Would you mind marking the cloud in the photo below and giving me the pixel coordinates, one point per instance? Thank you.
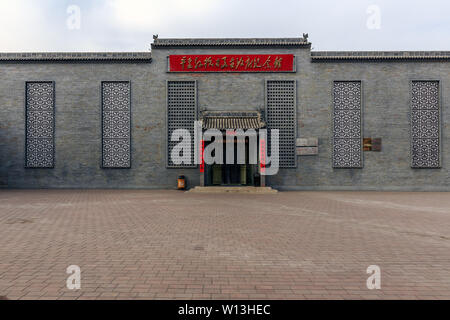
(128, 25)
(20, 21)
(144, 14)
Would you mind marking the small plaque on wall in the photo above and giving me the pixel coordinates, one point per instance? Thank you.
(307, 151)
(307, 146)
(376, 144)
(367, 144)
(307, 142)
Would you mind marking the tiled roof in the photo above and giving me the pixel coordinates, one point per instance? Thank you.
(232, 120)
(380, 55)
(76, 56)
(206, 42)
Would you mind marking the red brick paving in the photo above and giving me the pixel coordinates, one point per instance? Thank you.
(139, 244)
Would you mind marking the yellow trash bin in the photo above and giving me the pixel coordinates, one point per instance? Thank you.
(181, 183)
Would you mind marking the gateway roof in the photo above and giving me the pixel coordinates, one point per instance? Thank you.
(223, 120)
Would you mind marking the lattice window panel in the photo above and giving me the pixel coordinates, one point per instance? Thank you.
(281, 115)
(40, 124)
(425, 124)
(116, 124)
(347, 124)
(181, 114)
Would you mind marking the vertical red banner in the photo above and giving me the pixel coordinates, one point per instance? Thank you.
(202, 150)
(262, 155)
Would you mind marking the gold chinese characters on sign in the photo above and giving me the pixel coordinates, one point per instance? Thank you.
(231, 63)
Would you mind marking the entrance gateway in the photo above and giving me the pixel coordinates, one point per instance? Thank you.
(241, 164)
(236, 173)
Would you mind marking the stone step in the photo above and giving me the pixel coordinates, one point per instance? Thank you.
(222, 189)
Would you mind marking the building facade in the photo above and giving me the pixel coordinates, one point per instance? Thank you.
(347, 120)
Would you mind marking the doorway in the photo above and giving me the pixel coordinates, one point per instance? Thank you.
(232, 174)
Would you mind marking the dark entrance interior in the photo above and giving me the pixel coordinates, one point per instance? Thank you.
(232, 174)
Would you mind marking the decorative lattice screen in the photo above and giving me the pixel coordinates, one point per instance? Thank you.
(347, 125)
(116, 124)
(281, 115)
(425, 124)
(181, 114)
(40, 120)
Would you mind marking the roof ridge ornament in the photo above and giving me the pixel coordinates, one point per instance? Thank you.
(305, 37)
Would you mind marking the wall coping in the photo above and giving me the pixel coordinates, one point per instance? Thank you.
(316, 56)
(76, 56)
(215, 42)
(379, 55)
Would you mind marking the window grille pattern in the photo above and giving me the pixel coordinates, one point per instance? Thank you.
(181, 114)
(281, 115)
(347, 125)
(116, 124)
(425, 124)
(40, 119)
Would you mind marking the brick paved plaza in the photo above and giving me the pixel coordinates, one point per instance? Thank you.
(170, 244)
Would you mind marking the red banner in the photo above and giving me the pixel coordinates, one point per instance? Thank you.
(202, 152)
(231, 63)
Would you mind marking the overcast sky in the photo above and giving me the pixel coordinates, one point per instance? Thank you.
(128, 25)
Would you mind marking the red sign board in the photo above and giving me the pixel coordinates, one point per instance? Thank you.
(231, 63)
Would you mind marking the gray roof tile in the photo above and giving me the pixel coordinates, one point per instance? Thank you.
(379, 55)
(230, 42)
(73, 56)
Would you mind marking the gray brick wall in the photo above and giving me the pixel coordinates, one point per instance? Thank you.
(386, 112)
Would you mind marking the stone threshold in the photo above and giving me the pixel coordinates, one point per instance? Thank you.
(237, 189)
